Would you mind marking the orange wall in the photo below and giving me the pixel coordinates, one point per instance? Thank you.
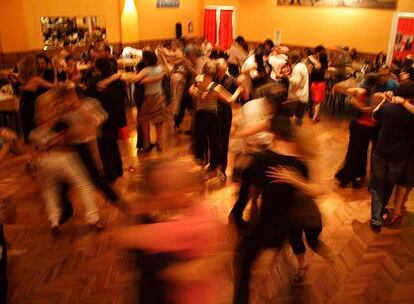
(366, 29)
(157, 23)
(20, 28)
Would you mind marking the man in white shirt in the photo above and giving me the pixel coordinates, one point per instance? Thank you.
(277, 60)
(298, 85)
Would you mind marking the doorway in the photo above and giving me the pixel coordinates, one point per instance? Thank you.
(219, 25)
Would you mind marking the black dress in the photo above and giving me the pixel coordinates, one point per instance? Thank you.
(273, 224)
(112, 100)
(27, 111)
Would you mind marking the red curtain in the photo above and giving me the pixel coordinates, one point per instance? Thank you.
(210, 26)
(226, 29)
(404, 44)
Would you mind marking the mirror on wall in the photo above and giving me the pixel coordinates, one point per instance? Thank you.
(76, 31)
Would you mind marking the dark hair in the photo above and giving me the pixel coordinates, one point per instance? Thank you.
(104, 65)
(269, 42)
(319, 48)
(406, 89)
(370, 81)
(258, 57)
(353, 54)
(282, 127)
(294, 56)
(410, 71)
(323, 59)
(377, 59)
(43, 56)
(245, 46)
(308, 52)
(240, 40)
(149, 57)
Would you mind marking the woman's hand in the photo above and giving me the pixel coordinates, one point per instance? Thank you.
(284, 175)
(7, 135)
(101, 85)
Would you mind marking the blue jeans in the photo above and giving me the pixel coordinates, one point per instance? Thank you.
(384, 176)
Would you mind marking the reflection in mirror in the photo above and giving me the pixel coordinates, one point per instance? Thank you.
(72, 31)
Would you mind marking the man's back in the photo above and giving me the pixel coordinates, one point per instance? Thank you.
(396, 137)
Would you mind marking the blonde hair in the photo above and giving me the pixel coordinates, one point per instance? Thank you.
(210, 68)
(28, 68)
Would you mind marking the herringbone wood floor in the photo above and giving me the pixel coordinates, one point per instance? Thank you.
(82, 267)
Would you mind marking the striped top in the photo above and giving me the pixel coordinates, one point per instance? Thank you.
(208, 100)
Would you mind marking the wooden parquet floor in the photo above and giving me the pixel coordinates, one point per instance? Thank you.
(82, 267)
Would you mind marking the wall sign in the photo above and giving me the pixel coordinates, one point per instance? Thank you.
(379, 4)
(168, 3)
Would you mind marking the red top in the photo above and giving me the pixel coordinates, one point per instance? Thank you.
(365, 119)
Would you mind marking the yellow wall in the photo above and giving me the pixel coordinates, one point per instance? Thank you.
(20, 28)
(366, 29)
(159, 23)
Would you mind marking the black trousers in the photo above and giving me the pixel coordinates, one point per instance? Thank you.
(140, 136)
(86, 156)
(186, 104)
(110, 156)
(206, 132)
(300, 112)
(242, 200)
(295, 236)
(3, 267)
(225, 117)
(355, 164)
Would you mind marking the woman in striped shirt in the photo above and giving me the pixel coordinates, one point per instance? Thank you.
(206, 94)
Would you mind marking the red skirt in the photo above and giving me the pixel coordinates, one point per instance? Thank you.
(318, 90)
(123, 133)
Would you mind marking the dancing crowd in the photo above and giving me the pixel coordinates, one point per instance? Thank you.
(72, 123)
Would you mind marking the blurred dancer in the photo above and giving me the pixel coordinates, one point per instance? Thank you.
(237, 56)
(393, 151)
(298, 85)
(58, 162)
(224, 112)
(188, 238)
(112, 98)
(362, 131)
(404, 186)
(207, 94)
(153, 109)
(280, 190)
(32, 86)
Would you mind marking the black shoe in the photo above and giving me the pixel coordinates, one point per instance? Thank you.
(358, 183)
(343, 184)
(375, 226)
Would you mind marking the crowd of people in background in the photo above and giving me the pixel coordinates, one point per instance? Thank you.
(65, 110)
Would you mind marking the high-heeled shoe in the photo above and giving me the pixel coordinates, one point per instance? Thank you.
(395, 218)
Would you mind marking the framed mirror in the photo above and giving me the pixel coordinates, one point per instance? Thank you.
(77, 31)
